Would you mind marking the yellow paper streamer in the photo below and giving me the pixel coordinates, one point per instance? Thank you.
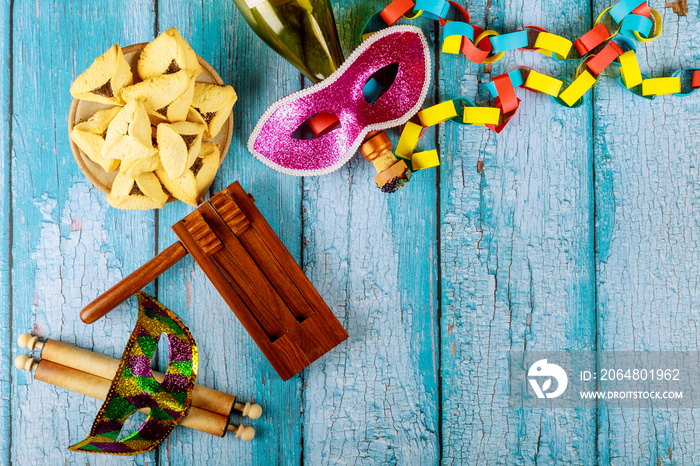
(548, 43)
(417, 15)
(408, 140)
(661, 86)
(578, 88)
(543, 83)
(426, 159)
(452, 45)
(629, 69)
(436, 114)
(481, 116)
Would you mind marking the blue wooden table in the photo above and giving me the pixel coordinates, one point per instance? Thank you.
(571, 230)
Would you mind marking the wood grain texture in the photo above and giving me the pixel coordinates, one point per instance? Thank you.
(230, 360)
(5, 207)
(572, 230)
(516, 241)
(68, 244)
(373, 400)
(647, 216)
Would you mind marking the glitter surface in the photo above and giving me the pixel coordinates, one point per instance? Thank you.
(134, 386)
(341, 95)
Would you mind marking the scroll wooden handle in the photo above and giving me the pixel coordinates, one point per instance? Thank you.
(133, 283)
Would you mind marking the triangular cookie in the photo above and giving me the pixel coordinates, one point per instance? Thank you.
(142, 192)
(89, 136)
(129, 140)
(178, 145)
(212, 106)
(192, 186)
(168, 53)
(159, 92)
(176, 110)
(105, 78)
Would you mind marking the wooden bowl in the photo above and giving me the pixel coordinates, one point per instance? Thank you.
(81, 110)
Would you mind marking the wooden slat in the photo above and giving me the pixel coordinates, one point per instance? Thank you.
(647, 212)
(69, 245)
(318, 335)
(229, 359)
(288, 359)
(516, 245)
(205, 237)
(230, 213)
(325, 332)
(256, 246)
(373, 400)
(5, 207)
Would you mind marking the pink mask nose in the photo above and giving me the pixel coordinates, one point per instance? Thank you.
(341, 95)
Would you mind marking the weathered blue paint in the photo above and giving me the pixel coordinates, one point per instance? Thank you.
(374, 398)
(516, 237)
(5, 138)
(230, 359)
(573, 229)
(68, 244)
(646, 163)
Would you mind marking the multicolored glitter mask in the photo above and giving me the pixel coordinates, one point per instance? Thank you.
(341, 95)
(134, 387)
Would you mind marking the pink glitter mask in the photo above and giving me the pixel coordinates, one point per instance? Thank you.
(341, 95)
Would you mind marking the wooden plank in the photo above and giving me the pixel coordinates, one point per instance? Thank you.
(516, 251)
(372, 257)
(5, 279)
(229, 359)
(647, 211)
(69, 245)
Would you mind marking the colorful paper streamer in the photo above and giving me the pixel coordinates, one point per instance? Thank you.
(597, 50)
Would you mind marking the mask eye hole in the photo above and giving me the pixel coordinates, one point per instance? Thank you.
(323, 123)
(161, 357)
(131, 426)
(316, 126)
(380, 82)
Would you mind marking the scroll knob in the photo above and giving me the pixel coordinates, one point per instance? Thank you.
(253, 411)
(30, 342)
(245, 433)
(24, 362)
